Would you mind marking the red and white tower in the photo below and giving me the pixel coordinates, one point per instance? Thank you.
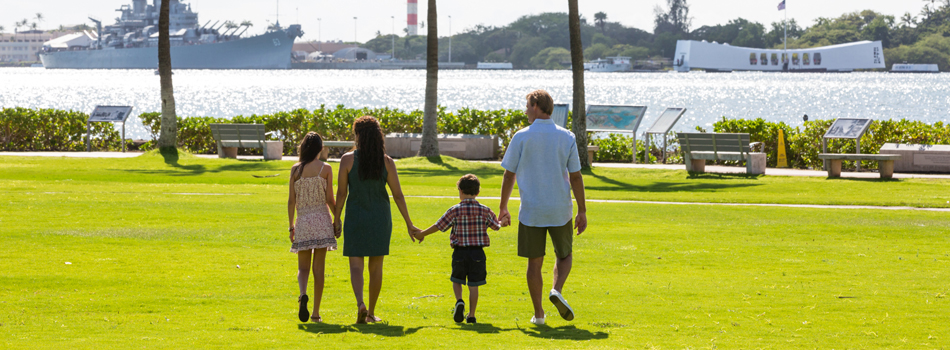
(412, 18)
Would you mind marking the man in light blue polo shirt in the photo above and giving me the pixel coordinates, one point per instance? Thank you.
(543, 159)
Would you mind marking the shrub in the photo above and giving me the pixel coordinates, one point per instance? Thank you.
(23, 129)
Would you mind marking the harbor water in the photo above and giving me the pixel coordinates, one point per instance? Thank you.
(707, 96)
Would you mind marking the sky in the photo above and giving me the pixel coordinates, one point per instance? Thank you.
(336, 17)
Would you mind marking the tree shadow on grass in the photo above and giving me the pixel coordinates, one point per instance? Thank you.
(171, 156)
(614, 185)
(563, 332)
(484, 172)
(722, 176)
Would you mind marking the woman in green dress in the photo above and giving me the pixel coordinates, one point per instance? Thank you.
(363, 176)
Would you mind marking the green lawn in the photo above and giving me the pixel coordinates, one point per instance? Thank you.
(193, 254)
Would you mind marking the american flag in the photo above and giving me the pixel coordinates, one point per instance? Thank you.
(781, 5)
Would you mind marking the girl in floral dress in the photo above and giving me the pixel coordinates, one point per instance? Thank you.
(311, 197)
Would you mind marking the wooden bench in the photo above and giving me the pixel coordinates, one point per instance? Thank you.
(885, 162)
(699, 147)
(327, 144)
(231, 136)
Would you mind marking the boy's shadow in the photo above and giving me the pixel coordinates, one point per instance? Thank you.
(481, 328)
(381, 329)
(563, 332)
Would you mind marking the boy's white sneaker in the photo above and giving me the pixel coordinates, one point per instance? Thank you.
(562, 307)
(537, 321)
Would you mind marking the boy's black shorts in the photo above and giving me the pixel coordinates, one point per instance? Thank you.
(468, 264)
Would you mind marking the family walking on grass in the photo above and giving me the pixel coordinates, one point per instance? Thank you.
(541, 158)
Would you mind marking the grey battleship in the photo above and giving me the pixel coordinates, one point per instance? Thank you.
(132, 43)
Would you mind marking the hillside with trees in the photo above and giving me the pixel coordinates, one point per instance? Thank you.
(542, 41)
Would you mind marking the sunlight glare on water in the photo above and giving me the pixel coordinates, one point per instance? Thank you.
(707, 96)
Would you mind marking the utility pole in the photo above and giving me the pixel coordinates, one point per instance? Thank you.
(450, 39)
(319, 42)
(354, 30)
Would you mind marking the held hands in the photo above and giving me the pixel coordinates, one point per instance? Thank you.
(414, 233)
(337, 228)
(504, 217)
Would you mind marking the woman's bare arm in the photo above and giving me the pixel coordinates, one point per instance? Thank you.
(392, 179)
(292, 201)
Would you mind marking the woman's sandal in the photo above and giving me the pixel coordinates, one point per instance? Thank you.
(373, 319)
(361, 314)
(316, 319)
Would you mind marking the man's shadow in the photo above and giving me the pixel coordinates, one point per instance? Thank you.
(563, 332)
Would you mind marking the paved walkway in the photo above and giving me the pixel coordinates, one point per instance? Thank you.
(807, 206)
(709, 168)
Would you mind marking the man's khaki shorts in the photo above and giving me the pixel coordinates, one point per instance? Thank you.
(532, 240)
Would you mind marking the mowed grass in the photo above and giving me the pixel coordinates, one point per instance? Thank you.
(193, 253)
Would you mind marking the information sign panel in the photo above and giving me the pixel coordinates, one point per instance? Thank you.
(848, 128)
(666, 121)
(559, 115)
(663, 124)
(109, 114)
(606, 118)
(614, 118)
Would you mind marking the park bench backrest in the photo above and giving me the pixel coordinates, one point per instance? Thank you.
(239, 135)
(714, 142)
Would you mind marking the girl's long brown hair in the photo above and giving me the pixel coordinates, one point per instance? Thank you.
(309, 149)
(372, 147)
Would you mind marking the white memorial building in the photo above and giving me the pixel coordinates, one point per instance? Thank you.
(691, 54)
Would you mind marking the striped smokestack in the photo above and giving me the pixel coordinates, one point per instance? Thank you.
(412, 23)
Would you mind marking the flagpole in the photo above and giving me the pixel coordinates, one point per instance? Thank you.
(785, 9)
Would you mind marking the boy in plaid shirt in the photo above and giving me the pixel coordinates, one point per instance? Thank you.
(469, 221)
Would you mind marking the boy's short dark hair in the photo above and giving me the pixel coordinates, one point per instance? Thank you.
(469, 184)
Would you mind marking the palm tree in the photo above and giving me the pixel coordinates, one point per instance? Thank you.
(579, 125)
(1, 31)
(168, 138)
(39, 18)
(600, 19)
(430, 118)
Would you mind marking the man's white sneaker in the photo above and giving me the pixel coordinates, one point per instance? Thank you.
(562, 308)
(537, 321)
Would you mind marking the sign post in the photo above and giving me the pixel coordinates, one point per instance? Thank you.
(662, 126)
(846, 128)
(111, 114)
(603, 118)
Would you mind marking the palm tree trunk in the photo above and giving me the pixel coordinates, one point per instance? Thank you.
(430, 119)
(169, 132)
(579, 117)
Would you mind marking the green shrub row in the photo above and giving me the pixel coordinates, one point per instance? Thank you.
(335, 124)
(803, 143)
(24, 129)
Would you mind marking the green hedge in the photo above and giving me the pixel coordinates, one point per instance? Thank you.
(336, 124)
(804, 143)
(23, 129)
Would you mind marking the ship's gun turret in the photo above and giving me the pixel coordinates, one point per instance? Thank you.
(294, 31)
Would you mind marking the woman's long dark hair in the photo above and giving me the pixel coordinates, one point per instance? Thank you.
(372, 147)
(309, 149)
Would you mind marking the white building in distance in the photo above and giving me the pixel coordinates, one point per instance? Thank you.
(22, 46)
(691, 54)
